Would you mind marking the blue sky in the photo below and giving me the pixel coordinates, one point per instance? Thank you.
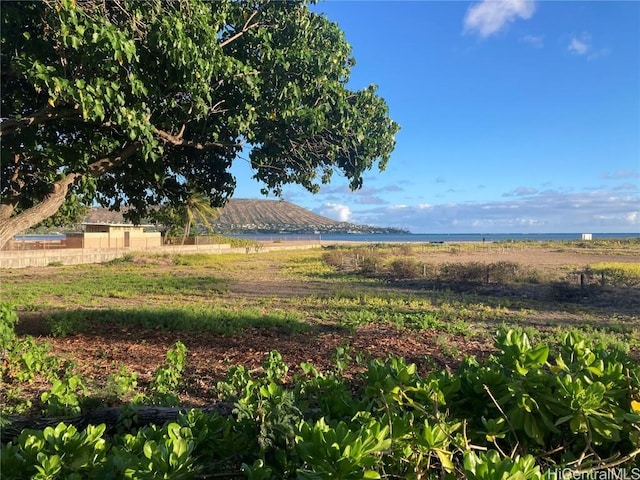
(516, 116)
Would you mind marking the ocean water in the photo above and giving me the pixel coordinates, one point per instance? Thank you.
(434, 237)
(32, 237)
(396, 238)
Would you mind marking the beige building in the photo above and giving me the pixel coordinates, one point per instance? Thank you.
(113, 235)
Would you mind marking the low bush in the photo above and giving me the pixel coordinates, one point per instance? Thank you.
(526, 412)
(334, 258)
(471, 272)
(404, 268)
(503, 272)
(8, 321)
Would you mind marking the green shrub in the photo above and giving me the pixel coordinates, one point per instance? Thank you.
(370, 265)
(167, 377)
(404, 268)
(503, 272)
(525, 410)
(64, 397)
(60, 452)
(28, 358)
(471, 272)
(334, 258)
(121, 385)
(8, 321)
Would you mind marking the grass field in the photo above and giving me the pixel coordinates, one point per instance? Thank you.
(431, 305)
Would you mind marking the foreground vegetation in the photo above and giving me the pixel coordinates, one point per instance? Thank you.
(558, 388)
(523, 413)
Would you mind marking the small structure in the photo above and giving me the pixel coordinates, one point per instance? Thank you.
(113, 235)
(587, 236)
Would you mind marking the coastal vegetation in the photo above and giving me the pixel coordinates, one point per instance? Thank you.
(369, 361)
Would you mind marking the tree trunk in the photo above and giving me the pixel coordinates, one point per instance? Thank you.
(12, 226)
(187, 231)
(111, 417)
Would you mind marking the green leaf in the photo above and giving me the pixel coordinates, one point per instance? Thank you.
(371, 474)
(445, 458)
(149, 449)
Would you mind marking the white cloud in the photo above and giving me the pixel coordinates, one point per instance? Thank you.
(549, 211)
(521, 192)
(490, 16)
(536, 41)
(342, 213)
(621, 174)
(626, 187)
(580, 46)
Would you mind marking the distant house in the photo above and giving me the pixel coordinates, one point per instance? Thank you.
(113, 235)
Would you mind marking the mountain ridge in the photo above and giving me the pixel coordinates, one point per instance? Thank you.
(241, 215)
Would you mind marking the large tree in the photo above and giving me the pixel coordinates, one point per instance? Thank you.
(138, 103)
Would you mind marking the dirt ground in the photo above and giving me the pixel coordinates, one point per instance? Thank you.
(101, 351)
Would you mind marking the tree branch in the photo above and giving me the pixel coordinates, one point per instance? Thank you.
(46, 113)
(245, 28)
(215, 108)
(604, 465)
(178, 141)
(105, 164)
(144, 415)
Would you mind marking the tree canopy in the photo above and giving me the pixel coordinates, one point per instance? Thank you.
(141, 103)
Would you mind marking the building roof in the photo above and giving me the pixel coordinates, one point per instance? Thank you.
(108, 224)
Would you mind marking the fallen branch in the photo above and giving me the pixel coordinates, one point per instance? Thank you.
(111, 417)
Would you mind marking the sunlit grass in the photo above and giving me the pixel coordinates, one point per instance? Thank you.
(221, 320)
(308, 266)
(206, 260)
(90, 284)
(618, 272)
(199, 292)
